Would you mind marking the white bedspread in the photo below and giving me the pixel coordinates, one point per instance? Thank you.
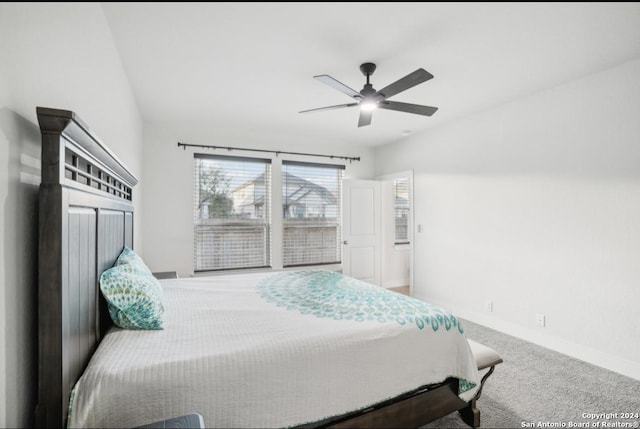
(252, 350)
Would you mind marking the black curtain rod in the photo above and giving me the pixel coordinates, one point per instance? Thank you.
(277, 152)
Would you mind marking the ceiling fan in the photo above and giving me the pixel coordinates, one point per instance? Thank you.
(369, 99)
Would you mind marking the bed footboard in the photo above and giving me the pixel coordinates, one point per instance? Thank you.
(413, 409)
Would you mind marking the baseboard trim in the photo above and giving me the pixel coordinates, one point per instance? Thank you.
(578, 351)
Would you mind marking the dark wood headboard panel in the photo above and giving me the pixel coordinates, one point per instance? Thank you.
(85, 219)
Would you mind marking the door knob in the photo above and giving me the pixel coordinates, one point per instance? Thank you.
(345, 242)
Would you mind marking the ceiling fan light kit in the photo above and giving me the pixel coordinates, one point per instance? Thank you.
(369, 99)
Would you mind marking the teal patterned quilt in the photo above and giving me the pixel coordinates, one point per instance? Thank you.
(331, 295)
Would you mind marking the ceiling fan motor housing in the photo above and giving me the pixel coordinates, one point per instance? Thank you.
(368, 91)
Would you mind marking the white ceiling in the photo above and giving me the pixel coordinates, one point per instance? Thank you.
(250, 66)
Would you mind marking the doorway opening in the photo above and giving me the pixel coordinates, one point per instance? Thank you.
(396, 196)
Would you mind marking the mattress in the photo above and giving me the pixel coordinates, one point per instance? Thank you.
(271, 350)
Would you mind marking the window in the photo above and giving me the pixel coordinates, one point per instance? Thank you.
(231, 212)
(402, 206)
(311, 196)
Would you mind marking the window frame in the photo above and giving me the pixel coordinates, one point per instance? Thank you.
(267, 214)
(407, 207)
(337, 244)
(276, 226)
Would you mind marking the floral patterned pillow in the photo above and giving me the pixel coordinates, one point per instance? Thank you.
(133, 294)
(128, 256)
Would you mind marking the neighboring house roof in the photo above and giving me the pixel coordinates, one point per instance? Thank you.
(297, 188)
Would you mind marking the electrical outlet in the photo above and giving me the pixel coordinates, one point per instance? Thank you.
(540, 320)
(489, 306)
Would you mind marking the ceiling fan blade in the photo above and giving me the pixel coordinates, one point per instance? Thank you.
(324, 78)
(409, 81)
(319, 109)
(409, 108)
(365, 117)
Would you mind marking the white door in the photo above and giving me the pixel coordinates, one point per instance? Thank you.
(361, 230)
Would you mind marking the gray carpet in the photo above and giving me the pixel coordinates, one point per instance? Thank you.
(537, 387)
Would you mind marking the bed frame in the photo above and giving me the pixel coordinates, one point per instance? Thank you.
(86, 218)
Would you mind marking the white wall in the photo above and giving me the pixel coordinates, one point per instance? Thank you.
(62, 56)
(168, 203)
(535, 205)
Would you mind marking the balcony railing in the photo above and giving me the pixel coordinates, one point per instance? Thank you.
(308, 242)
(222, 244)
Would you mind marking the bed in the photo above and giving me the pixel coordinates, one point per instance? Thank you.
(263, 356)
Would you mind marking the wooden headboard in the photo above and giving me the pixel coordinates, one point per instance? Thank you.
(85, 219)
